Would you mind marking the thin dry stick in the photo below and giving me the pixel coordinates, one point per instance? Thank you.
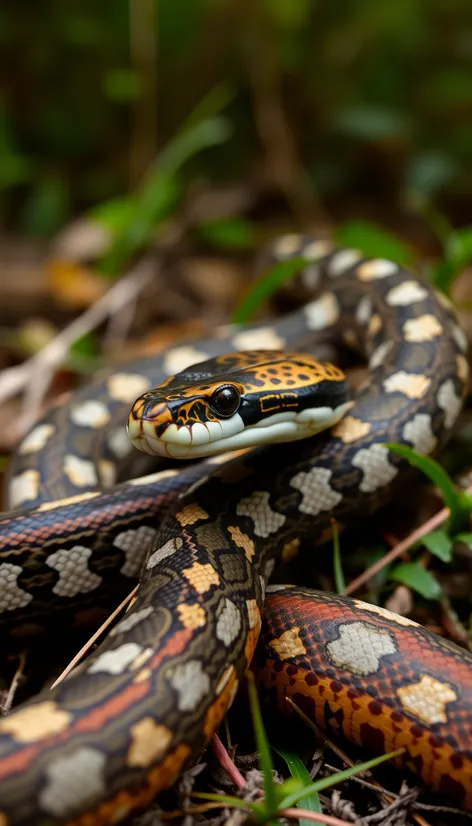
(405, 544)
(85, 648)
(317, 817)
(220, 752)
(44, 364)
(15, 683)
(387, 796)
(321, 736)
(35, 374)
(120, 296)
(401, 802)
(119, 325)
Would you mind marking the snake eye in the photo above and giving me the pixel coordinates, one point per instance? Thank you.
(225, 400)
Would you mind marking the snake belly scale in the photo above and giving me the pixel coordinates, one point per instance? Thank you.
(143, 706)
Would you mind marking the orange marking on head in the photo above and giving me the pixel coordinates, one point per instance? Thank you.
(274, 376)
(298, 370)
(278, 401)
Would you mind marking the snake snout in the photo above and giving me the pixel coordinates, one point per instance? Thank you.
(148, 420)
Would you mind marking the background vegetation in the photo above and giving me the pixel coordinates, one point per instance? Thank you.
(352, 107)
(221, 122)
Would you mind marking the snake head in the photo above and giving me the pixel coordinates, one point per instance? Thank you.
(238, 400)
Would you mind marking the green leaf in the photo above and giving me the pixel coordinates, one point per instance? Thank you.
(289, 786)
(122, 85)
(437, 475)
(465, 500)
(339, 777)
(15, 169)
(155, 203)
(459, 247)
(438, 223)
(457, 255)
(192, 140)
(418, 578)
(372, 122)
(466, 538)
(265, 286)
(85, 347)
(374, 242)
(442, 275)
(235, 233)
(116, 213)
(160, 191)
(47, 207)
(227, 800)
(265, 760)
(293, 798)
(212, 104)
(440, 544)
(292, 15)
(430, 171)
(449, 86)
(298, 770)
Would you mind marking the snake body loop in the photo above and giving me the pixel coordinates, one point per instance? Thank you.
(128, 720)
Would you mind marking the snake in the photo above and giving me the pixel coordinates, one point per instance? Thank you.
(205, 538)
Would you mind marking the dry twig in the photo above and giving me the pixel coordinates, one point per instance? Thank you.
(431, 524)
(35, 374)
(14, 683)
(90, 642)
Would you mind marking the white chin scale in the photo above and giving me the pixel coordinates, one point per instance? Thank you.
(231, 434)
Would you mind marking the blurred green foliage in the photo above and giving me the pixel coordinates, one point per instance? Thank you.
(377, 97)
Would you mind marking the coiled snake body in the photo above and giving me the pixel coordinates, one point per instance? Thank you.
(125, 724)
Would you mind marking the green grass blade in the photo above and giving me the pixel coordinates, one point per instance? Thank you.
(212, 104)
(191, 141)
(265, 760)
(265, 286)
(298, 770)
(227, 800)
(337, 563)
(374, 242)
(160, 191)
(339, 777)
